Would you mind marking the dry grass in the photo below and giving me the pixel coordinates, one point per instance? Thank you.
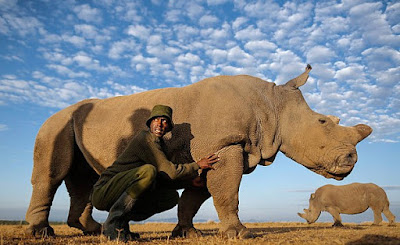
(266, 233)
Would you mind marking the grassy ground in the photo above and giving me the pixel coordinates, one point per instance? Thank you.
(266, 233)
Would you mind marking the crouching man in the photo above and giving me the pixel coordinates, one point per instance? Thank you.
(131, 188)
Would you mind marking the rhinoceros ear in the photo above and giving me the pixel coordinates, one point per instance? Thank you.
(300, 80)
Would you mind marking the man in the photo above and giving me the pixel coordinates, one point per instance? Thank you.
(131, 188)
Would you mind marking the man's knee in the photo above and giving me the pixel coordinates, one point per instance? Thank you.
(147, 172)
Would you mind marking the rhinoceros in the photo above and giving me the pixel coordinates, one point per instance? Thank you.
(353, 198)
(246, 120)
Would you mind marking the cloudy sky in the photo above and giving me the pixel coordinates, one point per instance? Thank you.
(56, 53)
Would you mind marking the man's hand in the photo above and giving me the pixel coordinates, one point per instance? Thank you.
(206, 162)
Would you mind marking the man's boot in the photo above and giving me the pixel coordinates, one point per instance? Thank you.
(117, 225)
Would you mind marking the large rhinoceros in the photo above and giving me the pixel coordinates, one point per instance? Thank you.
(243, 118)
(353, 198)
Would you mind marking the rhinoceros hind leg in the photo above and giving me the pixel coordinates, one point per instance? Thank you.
(53, 156)
(188, 205)
(39, 209)
(377, 216)
(79, 182)
(389, 215)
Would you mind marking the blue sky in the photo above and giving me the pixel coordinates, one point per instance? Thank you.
(56, 53)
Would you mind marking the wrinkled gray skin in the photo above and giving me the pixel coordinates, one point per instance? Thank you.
(353, 198)
(246, 120)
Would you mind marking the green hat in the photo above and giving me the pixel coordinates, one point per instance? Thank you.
(161, 111)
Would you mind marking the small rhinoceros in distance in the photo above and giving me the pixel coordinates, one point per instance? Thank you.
(353, 198)
(245, 119)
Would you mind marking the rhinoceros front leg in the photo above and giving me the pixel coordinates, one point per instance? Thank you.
(336, 216)
(188, 205)
(223, 184)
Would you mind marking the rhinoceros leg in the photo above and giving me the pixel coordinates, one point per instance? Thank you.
(377, 215)
(79, 182)
(336, 216)
(389, 215)
(52, 160)
(223, 184)
(188, 205)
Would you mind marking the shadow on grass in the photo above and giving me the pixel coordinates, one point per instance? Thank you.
(260, 232)
(375, 239)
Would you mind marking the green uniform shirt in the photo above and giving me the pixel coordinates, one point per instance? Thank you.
(146, 148)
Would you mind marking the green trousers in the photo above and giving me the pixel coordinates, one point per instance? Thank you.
(140, 183)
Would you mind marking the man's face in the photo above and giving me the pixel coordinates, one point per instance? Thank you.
(159, 126)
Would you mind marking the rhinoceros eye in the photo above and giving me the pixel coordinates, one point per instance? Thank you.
(322, 121)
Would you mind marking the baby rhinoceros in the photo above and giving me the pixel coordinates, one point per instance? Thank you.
(353, 198)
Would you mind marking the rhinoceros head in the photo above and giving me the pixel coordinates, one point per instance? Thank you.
(314, 211)
(314, 140)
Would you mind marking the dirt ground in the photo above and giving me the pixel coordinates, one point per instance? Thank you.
(265, 233)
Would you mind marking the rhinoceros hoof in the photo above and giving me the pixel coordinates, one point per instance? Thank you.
(39, 231)
(92, 228)
(188, 232)
(337, 224)
(232, 232)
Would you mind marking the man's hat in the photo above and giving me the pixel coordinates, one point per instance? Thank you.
(161, 111)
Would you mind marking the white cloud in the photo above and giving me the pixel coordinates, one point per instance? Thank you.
(121, 48)
(217, 55)
(389, 77)
(216, 2)
(354, 72)
(23, 25)
(217, 37)
(75, 40)
(250, 33)
(87, 13)
(377, 31)
(125, 89)
(157, 48)
(320, 54)
(63, 70)
(237, 56)
(139, 31)
(86, 30)
(239, 22)
(286, 65)
(207, 20)
(325, 72)
(382, 58)
(185, 32)
(259, 9)
(173, 15)
(260, 48)
(3, 127)
(193, 10)
(393, 12)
